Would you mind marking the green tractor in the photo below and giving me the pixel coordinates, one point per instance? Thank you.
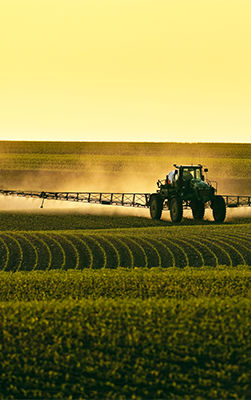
(186, 187)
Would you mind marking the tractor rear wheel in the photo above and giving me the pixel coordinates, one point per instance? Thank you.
(198, 209)
(219, 208)
(156, 206)
(176, 209)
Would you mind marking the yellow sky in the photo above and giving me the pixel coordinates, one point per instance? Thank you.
(160, 70)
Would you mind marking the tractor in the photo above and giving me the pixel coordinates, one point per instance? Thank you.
(186, 187)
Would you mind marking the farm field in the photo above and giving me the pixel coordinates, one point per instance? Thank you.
(126, 348)
(109, 304)
(132, 309)
(137, 283)
(129, 167)
(54, 240)
(128, 248)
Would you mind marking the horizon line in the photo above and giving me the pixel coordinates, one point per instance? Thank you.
(121, 141)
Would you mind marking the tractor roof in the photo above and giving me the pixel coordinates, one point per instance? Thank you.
(188, 166)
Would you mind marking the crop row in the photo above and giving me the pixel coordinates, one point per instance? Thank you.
(125, 348)
(132, 283)
(76, 250)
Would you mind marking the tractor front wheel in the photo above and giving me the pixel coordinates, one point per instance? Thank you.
(176, 209)
(156, 207)
(219, 208)
(198, 209)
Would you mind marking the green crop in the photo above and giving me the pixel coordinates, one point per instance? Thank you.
(198, 348)
(134, 283)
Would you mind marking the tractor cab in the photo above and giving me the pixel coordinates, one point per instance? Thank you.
(185, 174)
(188, 172)
(190, 183)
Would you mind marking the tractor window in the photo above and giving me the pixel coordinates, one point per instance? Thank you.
(191, 173)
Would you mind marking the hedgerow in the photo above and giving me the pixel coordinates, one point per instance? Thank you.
(125, 348)
(134, 283)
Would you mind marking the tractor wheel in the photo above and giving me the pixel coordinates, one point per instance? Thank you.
(156, 207)
(198, 209)
(176, 209)
(219, 208)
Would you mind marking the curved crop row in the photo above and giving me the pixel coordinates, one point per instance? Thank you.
(77, 250)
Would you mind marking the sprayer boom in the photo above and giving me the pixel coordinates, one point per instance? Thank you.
(118, 199)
